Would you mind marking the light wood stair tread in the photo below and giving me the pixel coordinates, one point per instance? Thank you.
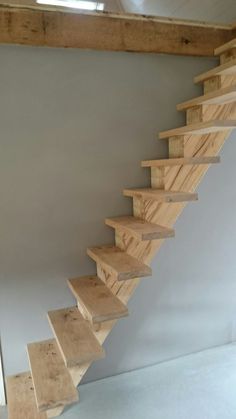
(118, 263)
(52, 381)
(161, 195)
(97, 299)
(218, 97)
(225, 47)
(229, 68)
(200, 128)
(140, 228)
(181, 161)
(74, 336)
(21, 398)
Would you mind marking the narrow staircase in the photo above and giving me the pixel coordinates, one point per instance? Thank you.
(58, 365)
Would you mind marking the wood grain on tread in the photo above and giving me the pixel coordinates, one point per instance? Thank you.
(21, 398)
(75, 338)
(119, 263)
(217, 97)
(97, 299)
(161, 195)
(139, 228)
(52, 381)
(181, 161)
(201, 128)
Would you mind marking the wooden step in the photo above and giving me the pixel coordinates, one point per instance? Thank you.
(227, 69)
(74, 336)
(218, 97)
(181, 161)
(161, 195)
(139, 228)
(21, 398)
(201, 128)
(52, 381)
(97, 300)
(119, 263)
(225, 47)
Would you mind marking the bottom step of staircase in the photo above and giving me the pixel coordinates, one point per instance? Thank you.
(52, 381)
(21, 398)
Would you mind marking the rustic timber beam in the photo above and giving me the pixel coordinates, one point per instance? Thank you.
(37, 26)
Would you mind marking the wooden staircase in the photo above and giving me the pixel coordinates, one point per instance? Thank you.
(58, 365)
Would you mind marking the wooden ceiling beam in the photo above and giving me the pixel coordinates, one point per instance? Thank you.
(37, 26)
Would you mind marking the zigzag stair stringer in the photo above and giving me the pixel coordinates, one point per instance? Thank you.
(186, 178)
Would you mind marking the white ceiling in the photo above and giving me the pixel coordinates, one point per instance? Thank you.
(222, 11)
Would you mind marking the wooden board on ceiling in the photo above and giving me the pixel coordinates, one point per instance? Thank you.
(44, 26)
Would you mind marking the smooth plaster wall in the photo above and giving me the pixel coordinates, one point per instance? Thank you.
(74, 127)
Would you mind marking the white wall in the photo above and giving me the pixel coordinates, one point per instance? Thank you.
(74, 127)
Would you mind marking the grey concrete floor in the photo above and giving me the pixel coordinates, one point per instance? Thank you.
(198, 386)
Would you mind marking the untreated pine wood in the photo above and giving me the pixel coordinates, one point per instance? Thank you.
(218, 97)
(200, 128)
(97, 300)
(226, 69)
(184, 178)
(139, 228)
(161, 195)
(75, 338)
(225, 47)
(52, 381)
(118, 263)
(181, 161)
(44, 26)
(21, 398)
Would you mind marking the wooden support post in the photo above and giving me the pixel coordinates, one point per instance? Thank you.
(158, 177)
(176, 146)
(194, 115)
(227, 56)
(212, 84)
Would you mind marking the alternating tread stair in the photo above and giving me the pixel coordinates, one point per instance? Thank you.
(218, 97)
(181, 161)
(75, 338)
(58, 365)
(200, 128)
(118, 263)
(226, 69)
(96, 299)
(161, 195)
(139, 228)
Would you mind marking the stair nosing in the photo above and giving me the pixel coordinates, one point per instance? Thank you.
(181, 161)
(191, 129)
(207, 98)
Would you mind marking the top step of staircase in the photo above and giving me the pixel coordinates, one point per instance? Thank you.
(218, 97)
(226, 47)
(227, 69)
(200, 128)
(52, 381)
(21, 398)
(118, 263)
